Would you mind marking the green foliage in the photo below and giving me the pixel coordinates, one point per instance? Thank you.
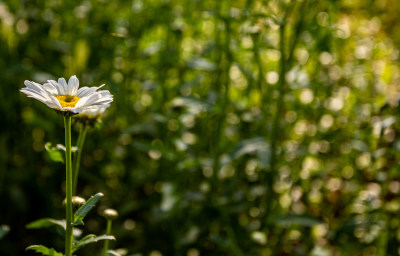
(46, 222)
(80, 214)
(56, 153)
(44, 250)
(120, 252)
(113, 253)
(257, 146)
(238, 127)
(90, 239)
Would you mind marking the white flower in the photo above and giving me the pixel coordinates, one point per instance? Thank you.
(67, 98)
(94, 112)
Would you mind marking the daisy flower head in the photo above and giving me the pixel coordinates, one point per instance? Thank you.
(67, 98)
(89, 116)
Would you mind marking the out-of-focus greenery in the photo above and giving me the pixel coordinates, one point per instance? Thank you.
(242, 127)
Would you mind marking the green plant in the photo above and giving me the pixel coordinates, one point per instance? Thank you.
(67, 100)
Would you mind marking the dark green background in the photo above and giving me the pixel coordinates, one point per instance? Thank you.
(237, 127)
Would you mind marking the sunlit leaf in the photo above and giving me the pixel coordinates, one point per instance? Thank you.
(258, 146)
(84, 209)
(90, 239)
(119, 252)
(55, 153)
(44, 250)
(113, 253)
(46, 222)
(250, 146)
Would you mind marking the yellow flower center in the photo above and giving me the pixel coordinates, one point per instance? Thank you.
(67, 100)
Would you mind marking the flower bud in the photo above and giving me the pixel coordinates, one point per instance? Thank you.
(76, 201)
(110, 214)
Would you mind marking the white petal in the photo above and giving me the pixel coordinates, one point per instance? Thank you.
(104, 98)
(82, 91)
(88, 101)
(50, 88)
(36, 97)
(34, 94)
(93, 99)
(34, 86)
(73, 85)
(64, 86)
(74, 110)
(42, 98)
(108, 98)
(51, 105)
(86, 91)
(90, 97)
(60, 90)
(28, 89)
(81, 102)
(56, 102)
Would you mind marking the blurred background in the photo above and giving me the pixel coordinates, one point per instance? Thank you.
(238, 127)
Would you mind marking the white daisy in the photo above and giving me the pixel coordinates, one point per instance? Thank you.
(94, 112)
(65, 97)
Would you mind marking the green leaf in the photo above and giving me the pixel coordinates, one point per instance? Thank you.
(121, 252)
(4, 229)
(84, 209)
(46, 222)
(258, 146)
(192, 104)
(113, 253)
(55, 153)
(44, 250)
(90, 239)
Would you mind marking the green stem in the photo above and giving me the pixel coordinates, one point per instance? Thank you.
(74, 161)
(276, 133)
(69, 228)
(77, 160)
(106, 242)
